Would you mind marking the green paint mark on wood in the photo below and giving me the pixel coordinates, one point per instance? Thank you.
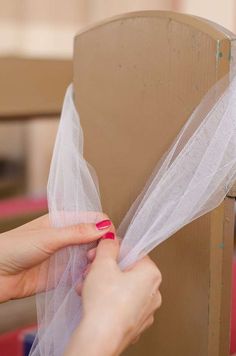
(222, 245)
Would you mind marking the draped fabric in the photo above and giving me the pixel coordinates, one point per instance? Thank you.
(192, 178)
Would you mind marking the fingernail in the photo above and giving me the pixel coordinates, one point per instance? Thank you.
(104, 224)
(108, 235)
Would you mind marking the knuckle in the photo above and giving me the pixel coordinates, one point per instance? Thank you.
(158, 275)
(155, 274)
(154, 271)
(136, 339)
(151, 321)
(159, 300)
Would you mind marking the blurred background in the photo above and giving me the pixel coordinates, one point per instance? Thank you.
(45, 30)
(36, 37)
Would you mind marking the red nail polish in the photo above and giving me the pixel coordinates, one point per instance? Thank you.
(104, 224)
(109, 235)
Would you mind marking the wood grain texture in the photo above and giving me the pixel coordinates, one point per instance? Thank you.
(137, 78)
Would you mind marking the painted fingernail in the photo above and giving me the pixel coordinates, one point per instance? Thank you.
(108, 235)
(104, 224)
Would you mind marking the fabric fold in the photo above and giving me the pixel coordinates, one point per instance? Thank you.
(193, 178)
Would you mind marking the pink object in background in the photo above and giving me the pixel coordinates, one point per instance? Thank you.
(13, 343)
(21, 206)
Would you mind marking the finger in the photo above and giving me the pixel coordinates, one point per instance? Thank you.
(40, 223)
(135, 340)
(80, 285)
(31, 246)
(154, 303)
(91, 254)
(107, 248)
(145, 267)
(157, 301)
(79, 288)
(147, 324)
(54, 239)
(143, 261)
(86, 271)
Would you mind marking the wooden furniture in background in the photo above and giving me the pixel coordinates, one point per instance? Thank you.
(32, 88)
(137, 78)
(29, 89)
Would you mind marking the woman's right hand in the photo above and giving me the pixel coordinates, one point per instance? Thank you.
(118, 306)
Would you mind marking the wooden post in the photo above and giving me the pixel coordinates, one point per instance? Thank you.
(29, 89)
(137, 78)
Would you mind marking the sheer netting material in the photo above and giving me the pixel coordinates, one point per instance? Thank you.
(192, 179)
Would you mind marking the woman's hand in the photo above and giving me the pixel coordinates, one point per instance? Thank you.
(118, 306)
(24, 250)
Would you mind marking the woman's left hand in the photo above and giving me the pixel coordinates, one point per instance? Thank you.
(24, 250)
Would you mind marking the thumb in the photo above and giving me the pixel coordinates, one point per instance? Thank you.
(108, 247)
(75, 235)
(30, 247)
(41, 243)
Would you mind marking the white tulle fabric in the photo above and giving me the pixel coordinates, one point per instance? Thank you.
(193, 178)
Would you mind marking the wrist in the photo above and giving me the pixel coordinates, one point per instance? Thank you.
(96, 336)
